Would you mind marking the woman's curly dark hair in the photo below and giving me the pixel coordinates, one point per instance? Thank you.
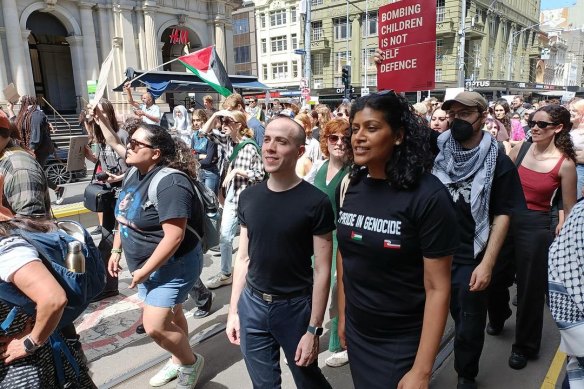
(412, 157)
(562, 140)
(160, 139)
(506, 120)
(185, 160)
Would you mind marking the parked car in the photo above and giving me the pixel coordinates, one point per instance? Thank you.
(56, 169)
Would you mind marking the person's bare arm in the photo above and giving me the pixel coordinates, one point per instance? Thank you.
(307, 350)
(110, 136)
(568, 179)
(437, 285)
(34, 279)
(239, 275)
(129, 95)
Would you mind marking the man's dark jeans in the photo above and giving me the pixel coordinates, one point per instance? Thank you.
(469, 311)
(264, 328)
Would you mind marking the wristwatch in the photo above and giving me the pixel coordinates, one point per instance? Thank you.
(30, 346)
(317, 331)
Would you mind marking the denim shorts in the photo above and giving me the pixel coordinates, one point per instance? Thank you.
(171, 283)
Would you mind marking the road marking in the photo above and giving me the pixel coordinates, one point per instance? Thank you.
(553, 374)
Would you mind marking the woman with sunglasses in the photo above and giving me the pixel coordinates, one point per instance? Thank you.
(544, 166)
(326, 175)
(244, 167)
(394, 260)
(161, 250)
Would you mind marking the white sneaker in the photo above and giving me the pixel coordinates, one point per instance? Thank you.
(219, 280)
(168, 373)
(338, 359)
(59, 193)
(189, 375)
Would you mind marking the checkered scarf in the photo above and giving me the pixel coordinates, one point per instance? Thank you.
(455, 164)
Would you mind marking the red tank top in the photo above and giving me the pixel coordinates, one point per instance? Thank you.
(539, 187)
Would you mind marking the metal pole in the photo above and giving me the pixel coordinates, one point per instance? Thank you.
(462, 38)
(366, 60)
(509, 53)
(307, 40)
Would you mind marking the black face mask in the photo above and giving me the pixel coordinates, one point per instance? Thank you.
(462, 130)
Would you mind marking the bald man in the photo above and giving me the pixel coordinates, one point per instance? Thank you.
(147, 111)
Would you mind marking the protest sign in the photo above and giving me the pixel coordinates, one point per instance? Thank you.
(407, 39)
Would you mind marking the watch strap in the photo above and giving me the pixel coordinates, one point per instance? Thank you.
(314, 330)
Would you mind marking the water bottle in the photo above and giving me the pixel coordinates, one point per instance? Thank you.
(75, 260)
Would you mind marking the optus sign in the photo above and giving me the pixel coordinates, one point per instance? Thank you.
(407, 39)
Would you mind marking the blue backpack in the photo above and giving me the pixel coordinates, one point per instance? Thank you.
(80, 288)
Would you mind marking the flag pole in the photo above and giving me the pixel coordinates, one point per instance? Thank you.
(151, 70)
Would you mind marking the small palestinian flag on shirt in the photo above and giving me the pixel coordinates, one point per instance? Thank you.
(206, 65)
(391, 244)
(356, 236)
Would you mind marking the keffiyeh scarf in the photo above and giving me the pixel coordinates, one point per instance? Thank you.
(566, 291)
(455, 164)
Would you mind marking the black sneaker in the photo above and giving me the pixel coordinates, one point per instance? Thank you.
(97, 231)
(205, 310)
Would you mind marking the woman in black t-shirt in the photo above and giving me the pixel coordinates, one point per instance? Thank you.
(396, 232)
(163, 255)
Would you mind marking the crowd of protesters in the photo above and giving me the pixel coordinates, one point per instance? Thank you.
(396, 214)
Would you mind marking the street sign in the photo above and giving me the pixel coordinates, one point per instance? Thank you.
(364, 91)
(303, 83)
(407, 39)
(299, 51)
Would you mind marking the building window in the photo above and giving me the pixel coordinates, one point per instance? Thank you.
(317, 60)
(240, 26)
(317, 2)
(294, 69)
(439, 49)
(371, 79)
(492, 27)
(265, 71)
(279, 70)
(318, 83)
(294, 39)
(317, 30)
(440, 10)
(264, 46)
(279, 43)
(293, 15)
(242, 54)
(438, 75)
(342, 29)
(263, 20)
(367, 59)
(369, 24)
(278, 18)
(340, 60)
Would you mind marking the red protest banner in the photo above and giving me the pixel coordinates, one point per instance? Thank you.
(407, 38)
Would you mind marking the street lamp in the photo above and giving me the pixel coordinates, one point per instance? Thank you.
(510, 47)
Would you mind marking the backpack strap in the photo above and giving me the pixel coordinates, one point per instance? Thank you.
(522, 151)
(153, 193)
(344, 186)
(240, 146)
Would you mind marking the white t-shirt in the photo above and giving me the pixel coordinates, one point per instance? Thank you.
(153, 110)
(15, 252)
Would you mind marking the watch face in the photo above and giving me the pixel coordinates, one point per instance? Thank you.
(29, 346)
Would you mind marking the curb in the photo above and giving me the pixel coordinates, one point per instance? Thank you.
(69, 210)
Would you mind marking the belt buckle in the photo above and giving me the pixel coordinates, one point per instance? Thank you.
(267, 297)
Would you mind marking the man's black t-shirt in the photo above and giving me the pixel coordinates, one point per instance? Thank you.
(280, 228)
(383, 235)
(506, 198)
(140, 223)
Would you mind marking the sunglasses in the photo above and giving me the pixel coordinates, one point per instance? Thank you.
(341, 114)
(333, 138)
(225, 120)
(540, 124)
(135, 143)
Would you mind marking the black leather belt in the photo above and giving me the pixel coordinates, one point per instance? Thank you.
(278, 297)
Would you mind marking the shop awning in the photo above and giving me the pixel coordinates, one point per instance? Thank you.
(159, 82)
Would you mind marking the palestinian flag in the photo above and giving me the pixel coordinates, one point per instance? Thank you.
(356, 236)
(206, 65)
